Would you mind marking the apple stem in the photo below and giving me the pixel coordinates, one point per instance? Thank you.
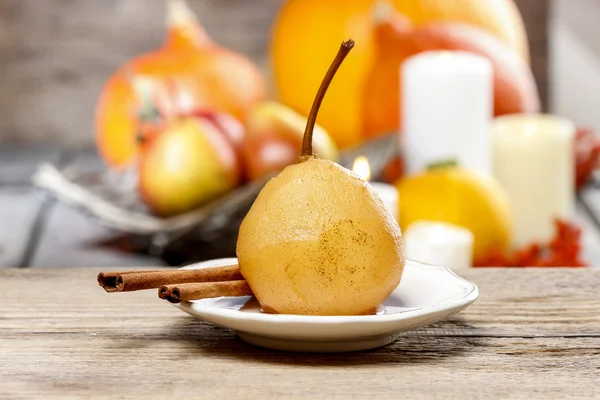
(307, 149)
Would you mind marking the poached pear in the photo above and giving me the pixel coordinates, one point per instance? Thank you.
(318, 240)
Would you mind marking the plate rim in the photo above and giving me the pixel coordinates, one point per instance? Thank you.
(457, 304)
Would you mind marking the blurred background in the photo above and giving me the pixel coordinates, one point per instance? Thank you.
(58, 56)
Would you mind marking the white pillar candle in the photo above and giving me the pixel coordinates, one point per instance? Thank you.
(388, 193)
(534, 161)
(447, 104)
(439, 243)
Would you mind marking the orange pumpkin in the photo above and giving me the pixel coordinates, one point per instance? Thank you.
(306, 31)
(515, 90)
(212, 78)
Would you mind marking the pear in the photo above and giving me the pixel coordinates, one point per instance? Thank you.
(318, 240)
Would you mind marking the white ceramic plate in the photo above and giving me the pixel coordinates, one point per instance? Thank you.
(426, 294)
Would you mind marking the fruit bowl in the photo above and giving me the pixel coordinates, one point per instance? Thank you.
(426, 294)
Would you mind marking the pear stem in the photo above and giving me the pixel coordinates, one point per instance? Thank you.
(307, 150)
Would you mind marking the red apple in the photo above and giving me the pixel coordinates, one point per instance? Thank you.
(274, 139)
(268, 154)
(227, 124)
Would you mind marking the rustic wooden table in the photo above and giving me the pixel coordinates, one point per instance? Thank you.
(533, 333)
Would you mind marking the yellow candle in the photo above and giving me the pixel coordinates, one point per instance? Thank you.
(533, 159)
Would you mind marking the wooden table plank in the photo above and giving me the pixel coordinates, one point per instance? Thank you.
(71, 238)
(19, 208)
(533, 333)
(524, 302)
(200, 362)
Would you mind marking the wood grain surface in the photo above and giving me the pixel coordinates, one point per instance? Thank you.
(532, 334)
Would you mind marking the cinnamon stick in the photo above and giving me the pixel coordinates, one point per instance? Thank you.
(129, 281)
(195, 291)
(108, 280)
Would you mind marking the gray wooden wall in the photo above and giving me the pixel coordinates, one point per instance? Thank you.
(55, 54)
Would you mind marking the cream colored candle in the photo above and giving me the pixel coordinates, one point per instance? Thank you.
(533, 159)
(447, 104)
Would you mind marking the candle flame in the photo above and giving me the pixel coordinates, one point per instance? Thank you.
(361, 167)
